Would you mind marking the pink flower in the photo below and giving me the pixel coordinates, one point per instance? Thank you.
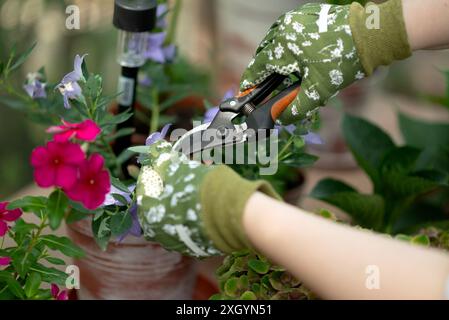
(57, 164)
(7, 216)
(4, 261)
(93, 183)
(58, 294)
(87, 130)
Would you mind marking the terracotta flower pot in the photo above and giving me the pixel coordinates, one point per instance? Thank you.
(133, 269)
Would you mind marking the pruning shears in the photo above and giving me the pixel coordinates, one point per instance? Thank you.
(259, 112)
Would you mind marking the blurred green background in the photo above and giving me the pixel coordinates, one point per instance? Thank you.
(219, 35)
(23, 22)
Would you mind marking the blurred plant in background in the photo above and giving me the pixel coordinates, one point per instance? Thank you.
(23, 22)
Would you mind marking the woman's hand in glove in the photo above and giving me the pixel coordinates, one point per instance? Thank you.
(192, 208)
(330, 47)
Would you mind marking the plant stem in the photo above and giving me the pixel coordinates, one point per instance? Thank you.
(154, 122)
(287, 145)
(36, 236)
(171, 32)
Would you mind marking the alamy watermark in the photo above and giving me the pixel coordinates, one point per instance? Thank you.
(372, 281)
(73, 278)
(249, 147)
(72, 22)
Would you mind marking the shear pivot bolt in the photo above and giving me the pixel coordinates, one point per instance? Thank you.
(232, 103)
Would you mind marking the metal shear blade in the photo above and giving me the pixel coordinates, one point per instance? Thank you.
(207, 136)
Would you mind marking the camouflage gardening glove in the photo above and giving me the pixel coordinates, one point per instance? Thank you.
(330, 46)
(192, 208)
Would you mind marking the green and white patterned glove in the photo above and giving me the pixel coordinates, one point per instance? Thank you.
(330, 47)
(190, 207)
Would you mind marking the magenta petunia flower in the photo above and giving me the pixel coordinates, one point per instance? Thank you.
(87, 130)
(5, 261)
(58, 294)
(7, 216)
(93, 183)
(57, 164)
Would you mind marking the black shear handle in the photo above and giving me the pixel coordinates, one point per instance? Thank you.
(264, 117)
(253, 95)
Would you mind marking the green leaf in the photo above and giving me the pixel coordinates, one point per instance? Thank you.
(120, 223)
(119, 185)
(57, 204)
(29, 204)
(22, 58)
(102, 231)
(32, 284)
(329, 186)
(50, 275)
(124, 156)
(231, 287)
(13, 103)
(55, 261)
(22, 260)
(368, 144)
(123, 132)
(433, 158)
(43, 294)
(300, 160)
(140, 149)
(421, 240)
(13, 285)
(79, 207)
(22, 229)
(327, 214)
(248, 295)
(366, 210)
(62, 244)
(398, 177)
(260, 267)
(121, 199)
(75, 215)
(93, 86)
(422, 134)
(110, 119)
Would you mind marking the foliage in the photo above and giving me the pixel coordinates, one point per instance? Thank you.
(246, 275)
(33, 259)
(402, 176)
(346, 2)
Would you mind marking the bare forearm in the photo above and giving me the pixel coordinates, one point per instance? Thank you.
(335, 260)
(427, 23)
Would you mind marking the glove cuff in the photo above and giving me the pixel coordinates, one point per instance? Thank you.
(222, 213)
(384, 45)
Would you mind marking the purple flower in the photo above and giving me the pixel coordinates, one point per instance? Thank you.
(160, 13)
(146, 81)
(169, 52)
(313, 138)
(156, 51)
(110, 200)
(228, 94)
(69, 86)
(135, 229)
(212, 112)
(309, 138)
(34, 87)
(156, 136)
